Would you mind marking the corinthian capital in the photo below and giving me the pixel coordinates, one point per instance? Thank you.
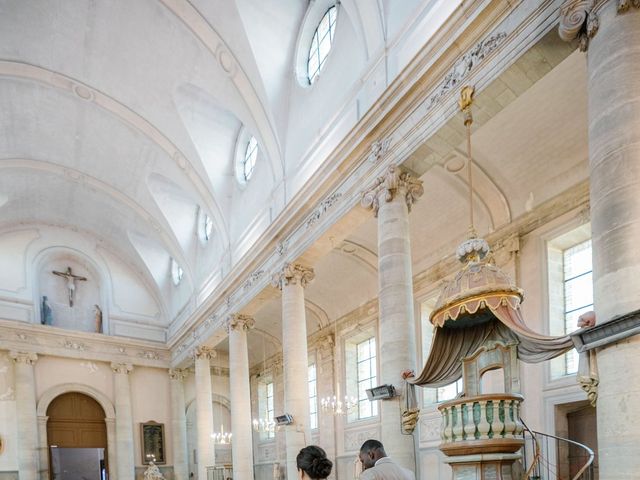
(293, 274)
(124, 368)
(204, 352)
(27, 358)
(393, 183)
(238, 321)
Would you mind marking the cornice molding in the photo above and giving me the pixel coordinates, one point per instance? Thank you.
(53, 341)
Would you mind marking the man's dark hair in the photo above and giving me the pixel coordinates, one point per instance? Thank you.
(370, 445)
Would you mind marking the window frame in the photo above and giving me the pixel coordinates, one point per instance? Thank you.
(556, 246)
(176, 272)
(315, 51)
(313, 398)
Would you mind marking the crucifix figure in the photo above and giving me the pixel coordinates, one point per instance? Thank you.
(71, 282)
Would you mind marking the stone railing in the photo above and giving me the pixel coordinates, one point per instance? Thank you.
(488, 423)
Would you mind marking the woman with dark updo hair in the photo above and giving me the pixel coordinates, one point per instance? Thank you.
(313, 463)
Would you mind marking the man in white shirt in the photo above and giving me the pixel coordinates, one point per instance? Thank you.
(377, 466)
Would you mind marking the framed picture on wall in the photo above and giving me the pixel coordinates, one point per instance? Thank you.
(152, 440)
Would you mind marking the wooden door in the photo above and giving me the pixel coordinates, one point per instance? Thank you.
(76, 421)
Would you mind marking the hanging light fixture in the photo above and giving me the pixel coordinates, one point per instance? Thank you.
(222, 437)
(335, 404)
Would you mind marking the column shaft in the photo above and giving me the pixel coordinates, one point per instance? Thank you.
(242, 447)
(292, 281)
(26, 417)
(391, 197)
(43, 449)
(204, 411)
(179, 422)
(614, 156)
(124, 422)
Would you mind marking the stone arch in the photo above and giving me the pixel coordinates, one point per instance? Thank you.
(109, 419)
(48, 396)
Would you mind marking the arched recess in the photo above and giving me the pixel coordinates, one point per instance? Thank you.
(81, 316)
(221, 414)
(110, 418)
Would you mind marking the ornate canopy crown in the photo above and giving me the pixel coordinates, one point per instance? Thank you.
(478, 285)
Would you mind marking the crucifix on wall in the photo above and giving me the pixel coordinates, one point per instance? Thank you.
(71, 282)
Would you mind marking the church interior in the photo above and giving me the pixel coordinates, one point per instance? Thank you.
(230, 229)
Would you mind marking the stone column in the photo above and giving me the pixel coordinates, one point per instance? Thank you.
(26, 416)
(292, 280)
(242, 446)
(179, 423)
(610, 31)
(204, 410)
(43, 456)
(124, 421)
(112, 463)
(390, 198)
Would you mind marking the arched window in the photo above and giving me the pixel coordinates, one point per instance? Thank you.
(250, 156)
(176, 272)
(207, 227)
(321, 44)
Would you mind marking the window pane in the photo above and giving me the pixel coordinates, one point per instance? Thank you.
(321, 44)
(578, 292)
(577, 260)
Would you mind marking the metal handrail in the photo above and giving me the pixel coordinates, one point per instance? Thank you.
(536, 457)
(580, 445)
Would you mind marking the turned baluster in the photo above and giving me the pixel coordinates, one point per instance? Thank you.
(496, 424)
(483, 423)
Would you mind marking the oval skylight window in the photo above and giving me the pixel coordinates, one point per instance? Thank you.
(250, 157)
(321, 44)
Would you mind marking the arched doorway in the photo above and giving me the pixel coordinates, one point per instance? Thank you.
(76, 438)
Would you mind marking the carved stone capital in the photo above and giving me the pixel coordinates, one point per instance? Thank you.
(393, 183)
(624, 5)
(293, 274)
(238, 321)
(178, 373)
(124, 368)
(27, 358)
(204, 352)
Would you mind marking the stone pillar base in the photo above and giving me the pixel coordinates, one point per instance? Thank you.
(498, 466)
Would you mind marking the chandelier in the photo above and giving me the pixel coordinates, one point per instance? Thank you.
(222, 437)
(335, 406)
(262, 425)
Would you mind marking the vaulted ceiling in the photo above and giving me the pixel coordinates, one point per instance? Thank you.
(122, 121)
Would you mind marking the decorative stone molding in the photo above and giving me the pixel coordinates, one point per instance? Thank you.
(253, 278)
(293, 274)
(178, 373)
(578, 19)
(238, 321)
(395, 181)
(27, 358)
(322, 208)
(124, 368)
(204, 352)
(282, 248)
(465, 64)
(72, 345)
(378, 149)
